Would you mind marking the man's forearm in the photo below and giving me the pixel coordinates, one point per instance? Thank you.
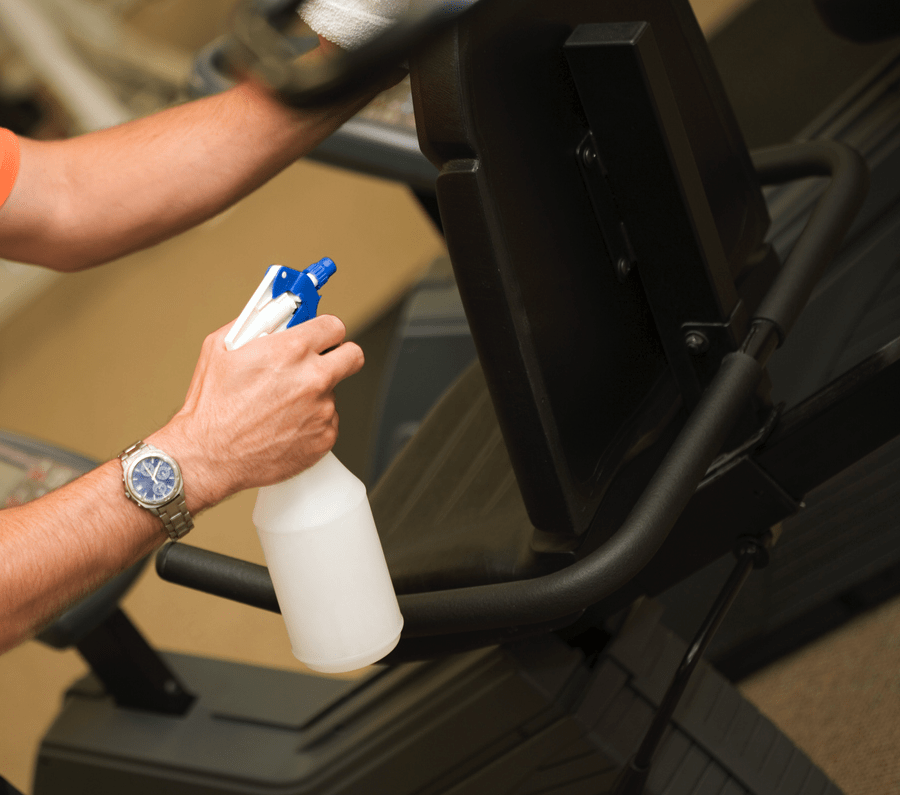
(99, 196)
(87, 529)
(64, 545)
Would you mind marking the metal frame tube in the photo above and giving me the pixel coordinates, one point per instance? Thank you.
(824, 232)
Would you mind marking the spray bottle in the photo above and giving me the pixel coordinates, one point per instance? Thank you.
(316, 529)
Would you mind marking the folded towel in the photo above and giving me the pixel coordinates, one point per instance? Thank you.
(351, 23)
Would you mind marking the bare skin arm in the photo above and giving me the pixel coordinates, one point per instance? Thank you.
(252, 417)
(90, 199)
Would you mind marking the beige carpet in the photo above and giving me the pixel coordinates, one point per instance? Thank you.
(839, 700)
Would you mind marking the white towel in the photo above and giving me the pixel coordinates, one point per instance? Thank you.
(351, 23)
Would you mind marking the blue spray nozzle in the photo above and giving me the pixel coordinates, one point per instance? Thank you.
(321, 271)
(305, 285)
(284, 298)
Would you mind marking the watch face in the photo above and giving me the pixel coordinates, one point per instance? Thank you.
(153, 480)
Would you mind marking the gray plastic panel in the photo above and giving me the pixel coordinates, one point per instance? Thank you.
(536, 717)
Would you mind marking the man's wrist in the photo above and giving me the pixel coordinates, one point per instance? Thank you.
(201, 490)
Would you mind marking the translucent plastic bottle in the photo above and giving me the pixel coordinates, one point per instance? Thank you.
(316, 529)
(328, 568)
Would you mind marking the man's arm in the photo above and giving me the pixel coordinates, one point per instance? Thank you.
(86, 200)
(252, 417)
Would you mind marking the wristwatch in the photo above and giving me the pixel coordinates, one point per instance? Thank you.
(153, 480)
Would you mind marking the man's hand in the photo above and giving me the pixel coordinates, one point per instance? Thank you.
(262, 413)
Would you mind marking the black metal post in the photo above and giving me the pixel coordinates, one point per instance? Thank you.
(751, 553)
(130, 670)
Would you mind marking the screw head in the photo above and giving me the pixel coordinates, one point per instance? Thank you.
(623, 268)
(696, 342)
(588, 156)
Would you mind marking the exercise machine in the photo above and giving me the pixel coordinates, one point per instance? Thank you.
(608, 235)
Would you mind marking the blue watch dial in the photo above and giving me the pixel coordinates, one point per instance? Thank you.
(153, 480)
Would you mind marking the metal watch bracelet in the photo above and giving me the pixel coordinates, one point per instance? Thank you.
(174, 515)
(176, 518)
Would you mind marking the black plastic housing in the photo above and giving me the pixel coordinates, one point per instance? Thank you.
(580, 357)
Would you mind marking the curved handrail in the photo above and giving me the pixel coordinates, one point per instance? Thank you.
(574, 588)
(620, 558)
(827, 225)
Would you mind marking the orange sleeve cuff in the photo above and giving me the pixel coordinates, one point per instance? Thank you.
(9, 163)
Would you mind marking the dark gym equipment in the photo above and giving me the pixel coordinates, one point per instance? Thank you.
(607, 230)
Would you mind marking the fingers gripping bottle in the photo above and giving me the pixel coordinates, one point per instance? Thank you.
(316, 529)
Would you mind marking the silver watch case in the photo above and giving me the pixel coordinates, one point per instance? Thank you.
(149, 451)
(178, 522)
